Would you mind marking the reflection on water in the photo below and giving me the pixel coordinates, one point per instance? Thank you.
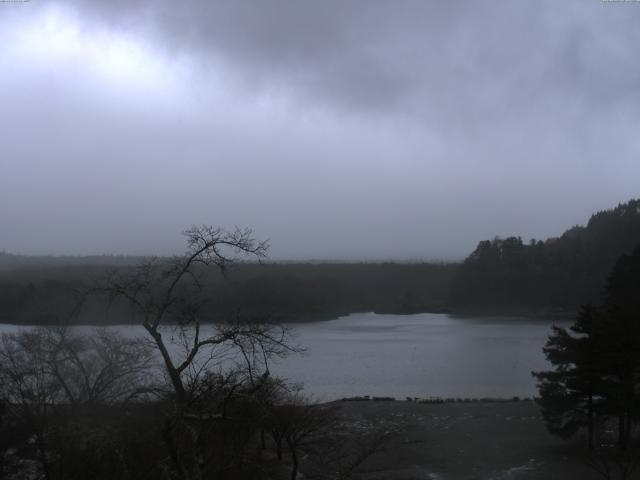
(411, 355)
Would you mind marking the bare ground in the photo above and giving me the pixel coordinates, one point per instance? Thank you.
(475, 440)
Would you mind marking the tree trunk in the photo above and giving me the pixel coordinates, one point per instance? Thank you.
(621, 431)
(174, 375)
(590, 422)
(627, 429)
(294, 460)
(42, 453)
(167, 435)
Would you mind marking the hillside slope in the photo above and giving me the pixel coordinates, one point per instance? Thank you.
(559, 273)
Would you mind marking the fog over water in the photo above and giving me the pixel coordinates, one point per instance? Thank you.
(339, 130)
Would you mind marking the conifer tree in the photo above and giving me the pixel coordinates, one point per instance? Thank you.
(596, 362)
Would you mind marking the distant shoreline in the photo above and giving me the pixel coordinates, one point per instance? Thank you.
(529, 314)
(433, 399)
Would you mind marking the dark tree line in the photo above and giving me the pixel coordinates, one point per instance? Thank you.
(283, 292)
(561, 273)
(510, 274)
(595, 381)
(189, 401)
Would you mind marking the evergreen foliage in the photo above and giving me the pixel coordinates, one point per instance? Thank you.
(560, 273)
(596, 362)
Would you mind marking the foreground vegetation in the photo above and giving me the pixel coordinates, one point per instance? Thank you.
(101, 406)
(96, 406)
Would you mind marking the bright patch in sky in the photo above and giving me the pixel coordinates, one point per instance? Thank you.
(56, 36)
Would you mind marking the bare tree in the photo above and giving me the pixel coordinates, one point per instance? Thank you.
(30, 392)
(56, 366)
(173, 293)
(46, 371)
(298, 422)
(342, 456)
(208, 363)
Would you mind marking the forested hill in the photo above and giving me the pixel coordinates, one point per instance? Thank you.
(559, 273)
(500, 275)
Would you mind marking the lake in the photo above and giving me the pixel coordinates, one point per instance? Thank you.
(413, 355)
(419, 355)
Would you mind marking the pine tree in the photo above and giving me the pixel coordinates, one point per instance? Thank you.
(569, 393)
(596, 362)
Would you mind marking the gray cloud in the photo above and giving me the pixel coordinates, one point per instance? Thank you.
(433, 59)
(339, 129)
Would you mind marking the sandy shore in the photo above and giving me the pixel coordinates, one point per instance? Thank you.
(478, 440)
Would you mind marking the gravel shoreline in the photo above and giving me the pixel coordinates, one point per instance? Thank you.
(484, 440)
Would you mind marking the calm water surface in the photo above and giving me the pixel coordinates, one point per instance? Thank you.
(419, 355)
(413, 355)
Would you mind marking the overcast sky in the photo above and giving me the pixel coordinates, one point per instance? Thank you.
(337, 129)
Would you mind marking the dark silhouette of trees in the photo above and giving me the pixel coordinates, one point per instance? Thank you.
(297, 422)
(569, 393)
(596, 375)
(506, 274)
(559, 273)
(171, 294)
(193, 400)
(49, 378)
(223, 363)
(282, 291)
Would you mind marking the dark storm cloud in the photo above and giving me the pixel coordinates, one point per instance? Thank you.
(339, 129)
(466, 61)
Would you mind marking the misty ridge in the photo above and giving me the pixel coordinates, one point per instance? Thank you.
(501, 276)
